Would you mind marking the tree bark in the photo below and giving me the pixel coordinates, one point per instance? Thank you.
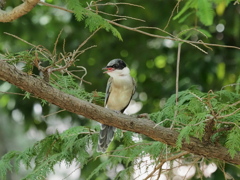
(18, 11)
(43, 90)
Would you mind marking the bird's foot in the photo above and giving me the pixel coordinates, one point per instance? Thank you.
(144, 115)
(117, 111)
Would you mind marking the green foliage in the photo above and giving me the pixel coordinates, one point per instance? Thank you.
(195, 109)
(204, 10)
(25, 57)
(5, 163)
(27, 95)
(71, 144)
(238, 85)
(189, 116)
(92, 20)
(77, 143)
(233, 141)
(127, 155)
(65, 82)
(189, 4)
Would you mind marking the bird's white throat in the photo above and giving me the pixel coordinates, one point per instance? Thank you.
(119, 73)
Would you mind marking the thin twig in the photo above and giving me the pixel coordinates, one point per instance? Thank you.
(234, 104)
(155, 28)
(159, 167)
(20, 39)
(161, 122)
(86, 40)
(85, 73)
(56, 42)
(71, 173)
(190, 29)
(70, 73)
(169, 19)
(173, 39)
(231, 123)
(54, 113)
(205, 45)
(234, 84)
(54, 6)
(227, 115)
(177, 71)
(172, 36)
(114, 4)
(140, 144)
(149, 34)
(118, 16)
(177, 82)
(12, 93)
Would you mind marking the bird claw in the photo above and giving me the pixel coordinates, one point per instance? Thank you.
(144, 115)
(117, 111)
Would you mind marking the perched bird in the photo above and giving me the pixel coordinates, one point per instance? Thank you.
(119, 92)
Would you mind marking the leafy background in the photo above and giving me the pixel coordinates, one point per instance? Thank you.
(152, 61)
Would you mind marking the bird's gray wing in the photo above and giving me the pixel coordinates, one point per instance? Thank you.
(107, 132)
(108, 90)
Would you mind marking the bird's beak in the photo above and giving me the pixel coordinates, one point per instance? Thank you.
(110, 69)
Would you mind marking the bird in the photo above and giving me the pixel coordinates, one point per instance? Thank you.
(119, 91)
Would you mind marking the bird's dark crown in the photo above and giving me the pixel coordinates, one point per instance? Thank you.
(116, 64)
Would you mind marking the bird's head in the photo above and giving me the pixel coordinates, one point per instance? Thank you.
(116, 67)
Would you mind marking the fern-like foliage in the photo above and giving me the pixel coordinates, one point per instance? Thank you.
(191, 114)
(70, 145)
(233, 141)
(60, 80)
(77, 144)
(92, 20)
(195, 109)
(204, 10)
(188, 113)
(25, 57)
(189, 4)
(68, 84)
(5, 163)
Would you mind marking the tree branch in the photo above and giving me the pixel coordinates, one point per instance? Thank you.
(43, 90)
(18, 11)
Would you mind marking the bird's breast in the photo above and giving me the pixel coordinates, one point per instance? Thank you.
(120, 95)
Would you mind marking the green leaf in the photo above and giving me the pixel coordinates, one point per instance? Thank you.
(5, 163)
(203, 8)
(205, 33)
(77, 8)
(189, 4)
(183, 135)
(93, 21)
(238, 85)
(205, 12)
(233, 143)
(185, 17)
(27, 95)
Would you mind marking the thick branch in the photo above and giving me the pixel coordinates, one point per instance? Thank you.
(18, 11)
(143, 126)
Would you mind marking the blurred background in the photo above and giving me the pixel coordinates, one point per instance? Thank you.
(152, 62)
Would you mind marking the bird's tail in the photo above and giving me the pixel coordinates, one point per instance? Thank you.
(105, 137)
